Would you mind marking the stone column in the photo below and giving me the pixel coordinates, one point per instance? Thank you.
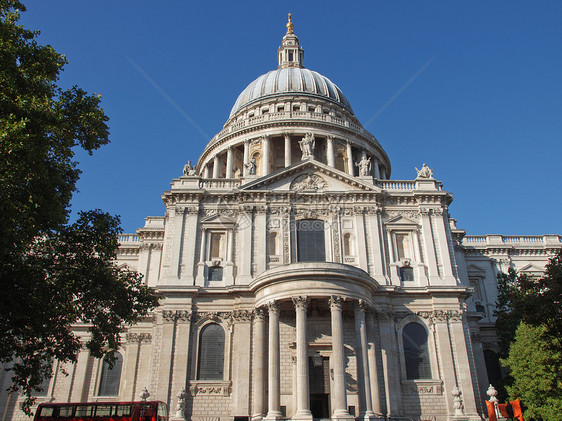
(200, 279)
(131, 367)
(376, 169)
(206, 171)
(330, 151)
(274, 381)
(79, 386)
(339, 398)
(241, 362)
(439, 219)
(229, 160)
(465, 378)
(372, 357)
(449, 374)
(259, 364)
(181, 351)
(363, 369)
(303, 394)
(189, 252)
(177, 239)
(429, 243)
(288, 149)
(216, 166)
(350, 163)
(265, 161)
(391, 366)
(246, 155)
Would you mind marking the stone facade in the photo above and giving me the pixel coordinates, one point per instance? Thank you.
(289, 240)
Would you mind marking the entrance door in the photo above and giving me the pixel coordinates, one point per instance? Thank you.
(319, 384)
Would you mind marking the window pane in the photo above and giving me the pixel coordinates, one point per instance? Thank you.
(217, 245)
(215, 273)
(110, 377)
(310, 241)
(211, 353)
(416, 352)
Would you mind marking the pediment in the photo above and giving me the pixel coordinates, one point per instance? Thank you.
(401, 221)
(309, 177)
(531, 269)
(217, 220)
(474, 270)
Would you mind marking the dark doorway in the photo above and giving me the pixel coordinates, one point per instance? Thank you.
(319, 405)
(319, 383)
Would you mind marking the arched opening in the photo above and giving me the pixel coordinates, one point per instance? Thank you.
(416, 352)
(211, 353)
(111, 376)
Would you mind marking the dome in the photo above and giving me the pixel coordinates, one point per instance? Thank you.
(291, 80)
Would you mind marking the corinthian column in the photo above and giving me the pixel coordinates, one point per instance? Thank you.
(330, 151)
(259, 363)
(350, 163)
(303, 394)
(363, 362)
(338, 365)
(265, 163)
(288, 151)
(274, 409)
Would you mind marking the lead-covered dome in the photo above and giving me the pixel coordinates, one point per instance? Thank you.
(291, 80)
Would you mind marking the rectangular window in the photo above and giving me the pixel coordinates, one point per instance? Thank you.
(402, 246)
(217, 249)
(311, 245)
(290, 56)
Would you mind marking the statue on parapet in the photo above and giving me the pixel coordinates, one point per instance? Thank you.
(364, 166)
(307, 146)
(189, 169)
(251, 167)
(425, 172)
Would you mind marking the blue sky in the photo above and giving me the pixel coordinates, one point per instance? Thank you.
(485, 111)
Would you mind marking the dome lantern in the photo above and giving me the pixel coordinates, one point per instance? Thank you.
(290, 53)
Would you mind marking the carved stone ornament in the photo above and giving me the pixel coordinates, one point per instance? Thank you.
(308, 183)
(242, 315)
(176, 315)
(259, 314)
(209, 389)
(301, 302)
(138, 337)
(428, 387)
(336, 302)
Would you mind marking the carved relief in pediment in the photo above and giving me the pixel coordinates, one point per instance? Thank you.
(308, 183)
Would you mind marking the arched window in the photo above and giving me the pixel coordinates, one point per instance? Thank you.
(111, 376)
(273, 244)
(211, 353)
(493, 367)
(311, 245)
(347, 244)
(416, 352)
(339, 162)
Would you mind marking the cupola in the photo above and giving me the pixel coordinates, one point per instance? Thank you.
(290, 53)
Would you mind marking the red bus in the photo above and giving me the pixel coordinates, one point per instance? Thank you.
(103, 411)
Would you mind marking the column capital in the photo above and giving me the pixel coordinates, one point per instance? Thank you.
(286, 134)
(259, 314)
(301, 302)
(273, 307)
(336, 302)
(362, 306)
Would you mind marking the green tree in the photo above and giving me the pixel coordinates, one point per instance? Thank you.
(529, 325)
(52, 274)
(536, 372)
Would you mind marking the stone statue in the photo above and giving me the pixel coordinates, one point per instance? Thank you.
(251, 166)
(425, 172)
(188, 169)
(307, 146)
(364, 166)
